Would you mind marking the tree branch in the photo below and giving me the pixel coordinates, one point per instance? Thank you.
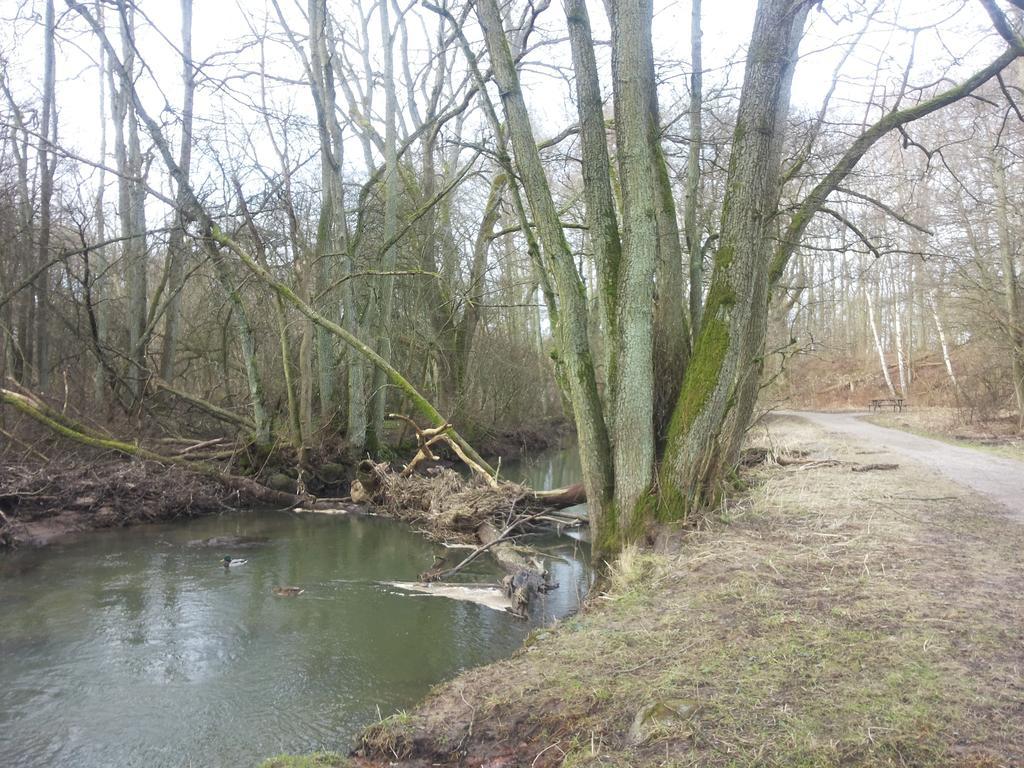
(815, 199)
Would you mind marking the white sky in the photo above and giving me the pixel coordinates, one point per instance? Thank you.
(954, 37)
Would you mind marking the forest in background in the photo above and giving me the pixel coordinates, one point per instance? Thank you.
(317, 221)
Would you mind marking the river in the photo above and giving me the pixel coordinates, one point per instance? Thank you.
(134, 647)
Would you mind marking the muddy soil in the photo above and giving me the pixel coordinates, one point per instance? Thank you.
(42, 501)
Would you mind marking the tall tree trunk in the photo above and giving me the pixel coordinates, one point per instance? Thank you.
(570, 330)
(670, 326)
(602, 223)
(177, 253)
(723, 377)
(391, 178)
(322, 77)
(99, 283)
(131, 206)
(47, 167)
(23, 325)
(634, 393)
(1011, 288)
(691, 225)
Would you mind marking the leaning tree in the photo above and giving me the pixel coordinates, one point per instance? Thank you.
(641, 462)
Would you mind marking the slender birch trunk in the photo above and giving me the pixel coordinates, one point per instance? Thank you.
(878, 343)
(897, 322)
(933, 305)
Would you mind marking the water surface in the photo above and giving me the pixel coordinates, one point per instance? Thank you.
(556, 468)
(135, 648)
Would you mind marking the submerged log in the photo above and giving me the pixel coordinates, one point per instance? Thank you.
(523, 586)
(492, 597)
(446, 506)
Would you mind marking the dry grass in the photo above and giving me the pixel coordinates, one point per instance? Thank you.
(826, 618)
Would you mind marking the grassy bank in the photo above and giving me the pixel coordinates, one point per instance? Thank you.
(824, 618)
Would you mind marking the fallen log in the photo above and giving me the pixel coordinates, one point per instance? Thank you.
(874, 467)
(425, 438)
(215, 411)
(559, 498)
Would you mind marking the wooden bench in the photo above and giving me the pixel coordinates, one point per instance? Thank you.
(885, 402)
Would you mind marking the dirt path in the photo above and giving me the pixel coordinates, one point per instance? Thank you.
(998, 478)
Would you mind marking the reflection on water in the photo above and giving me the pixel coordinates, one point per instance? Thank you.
(550, 469)
(134, 648)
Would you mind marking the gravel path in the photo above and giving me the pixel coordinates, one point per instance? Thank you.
(1000, 479)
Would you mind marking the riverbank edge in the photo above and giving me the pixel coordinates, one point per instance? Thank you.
(86, 490)
(46, 502)
(821, 617)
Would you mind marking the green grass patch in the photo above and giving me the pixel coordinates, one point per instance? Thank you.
(315, 760)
